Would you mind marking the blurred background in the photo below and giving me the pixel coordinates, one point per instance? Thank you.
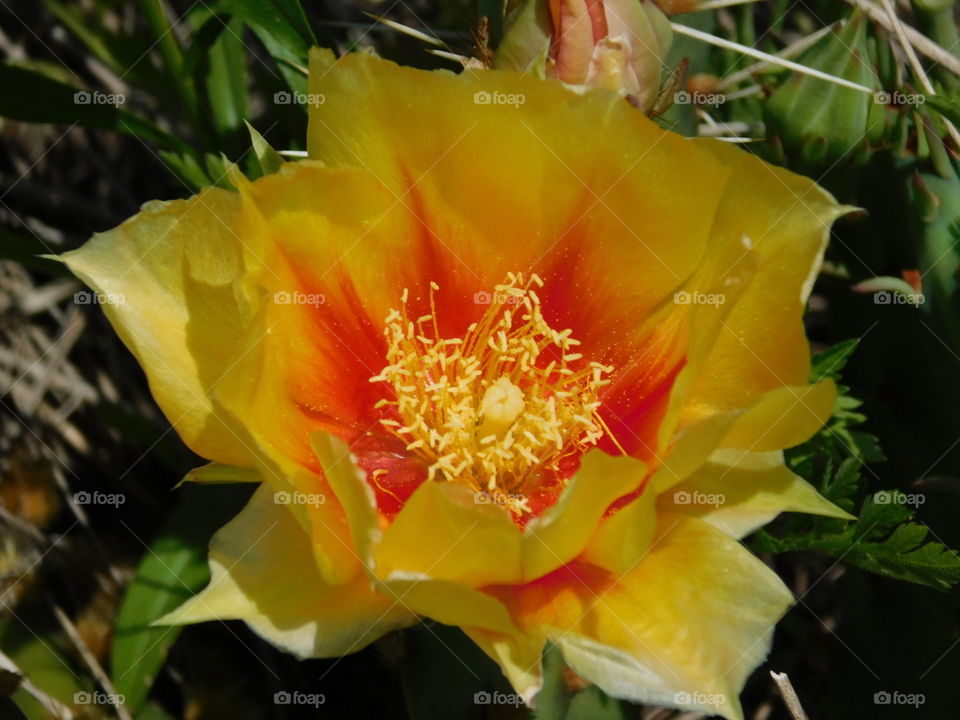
(106, 104)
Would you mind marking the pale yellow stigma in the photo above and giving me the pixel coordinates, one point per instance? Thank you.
(498, 408)
(501, 406)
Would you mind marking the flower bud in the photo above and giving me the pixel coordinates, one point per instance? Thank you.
(619, 45)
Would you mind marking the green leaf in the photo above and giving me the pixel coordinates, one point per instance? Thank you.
(226, 80)
(553, 700)
(839, 487)
(207, 32)
(292, 66)
(593, 704)
(829, 363)
(218, 168)
(282, 20)
(946, 106)
(121, 53)
(173, 569)
(186, 168)
(268, 158)
(153, 712)
(29, 96)
(28, 250)
(163, 32)
(880, 541)
(36, 647)
(556, 702)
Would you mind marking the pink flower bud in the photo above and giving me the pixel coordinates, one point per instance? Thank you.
(619, 45)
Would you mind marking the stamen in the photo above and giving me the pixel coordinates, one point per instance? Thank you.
(498, 408)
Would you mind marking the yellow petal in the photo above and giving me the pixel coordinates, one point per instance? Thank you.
(563, 531)
(518, 655)
(451, 603)
(783, 418)
(748, 358)
(444, 534)
(263, 572)
(174, 271)
(290, 377)
(353, 492)
(684, 628)
(577, 187)
(771, 231)
(309, 499)
(621, 540)
(416, 583)
(739, 491)
(220, 473)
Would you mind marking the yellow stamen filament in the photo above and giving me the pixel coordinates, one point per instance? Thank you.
(497, 407)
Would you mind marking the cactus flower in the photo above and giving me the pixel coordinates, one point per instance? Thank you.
(499, 354)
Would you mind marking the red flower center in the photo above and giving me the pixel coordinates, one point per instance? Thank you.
(506, 409)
